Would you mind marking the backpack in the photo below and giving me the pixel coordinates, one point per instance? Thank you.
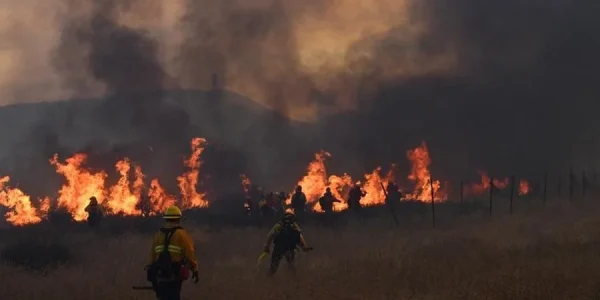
(287, 239)
(164, 268)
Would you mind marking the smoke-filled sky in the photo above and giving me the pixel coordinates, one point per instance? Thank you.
(476, 78)
(284, 54)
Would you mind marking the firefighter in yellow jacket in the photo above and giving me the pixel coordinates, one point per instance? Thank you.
(171, 256)
(286, 237)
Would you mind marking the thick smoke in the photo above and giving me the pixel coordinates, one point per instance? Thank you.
(521, 97)
(507, 86)
(125, 61)
(500, 85)
(97, 51)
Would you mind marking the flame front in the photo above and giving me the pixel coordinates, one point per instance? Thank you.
(339, 186)
(21, 211)
(524, 187)
(477, 189)
(315, 181)
(159, 198)
(122, 199)
(246, 184)
(373, 186)
(189, 180)
(420, 175)
(125, 196)
(81, 185)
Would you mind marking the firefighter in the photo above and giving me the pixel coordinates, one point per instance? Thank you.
(172, 255)
(327, 200)
(299, 201)
(286, 237)
(393, 194)
(354, 196)
(94, 211)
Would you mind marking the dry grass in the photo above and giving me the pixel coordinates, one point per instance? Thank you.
(551, 254)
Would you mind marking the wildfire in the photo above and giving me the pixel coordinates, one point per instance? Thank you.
(81, 185)
(246, 183)
(476, 189)
(420, 175)
(124, 200)
(189, 180)
(339, 185)
(159, 198)
(317, 180)
(524, 187)
(125, 196)
(372, 185)
(21, 211)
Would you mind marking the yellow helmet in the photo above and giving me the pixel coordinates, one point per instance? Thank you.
(173, 212)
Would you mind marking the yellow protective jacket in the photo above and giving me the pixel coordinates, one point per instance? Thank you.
(181, 247)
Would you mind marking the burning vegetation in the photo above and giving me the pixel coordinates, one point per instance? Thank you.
(317, 180)
(123, 198)
(131, 196)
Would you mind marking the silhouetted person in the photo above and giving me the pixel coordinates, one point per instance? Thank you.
(94, 211)
(393, 194)
(327, 201)
(299, 201)
(354, 196)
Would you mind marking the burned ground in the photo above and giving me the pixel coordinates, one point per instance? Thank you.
(540, 252)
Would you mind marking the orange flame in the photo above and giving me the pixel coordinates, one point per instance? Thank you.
(524, 187)
(81, 185)
(45, 206)
(373, 186)
(476, 189)
(189, 180)
(159, 198)
(339, 186)
(420, 175)
(122, 200)
(21, 211)
(315, 181)
(246, 183)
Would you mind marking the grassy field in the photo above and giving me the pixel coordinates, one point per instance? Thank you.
(549, 253)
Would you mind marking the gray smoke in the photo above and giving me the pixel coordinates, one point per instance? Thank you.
(97, 48)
